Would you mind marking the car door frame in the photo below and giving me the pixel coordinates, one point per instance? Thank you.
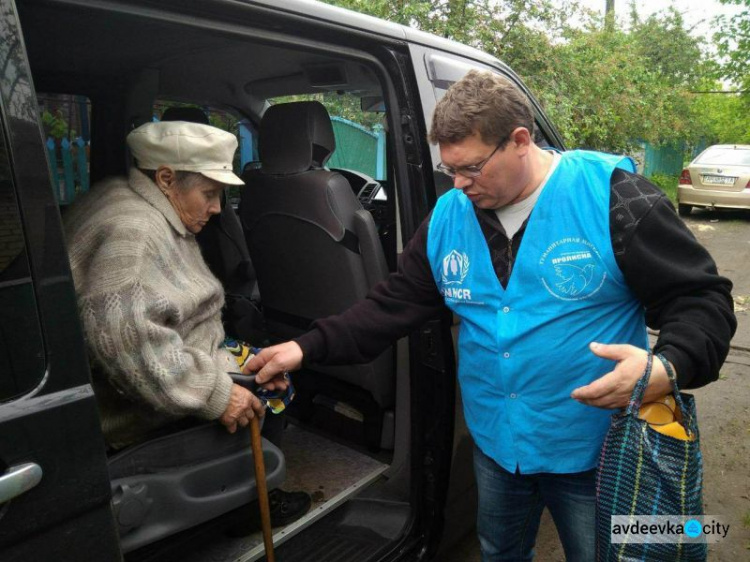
(55, 426)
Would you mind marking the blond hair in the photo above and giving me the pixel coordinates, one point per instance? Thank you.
(481, 102)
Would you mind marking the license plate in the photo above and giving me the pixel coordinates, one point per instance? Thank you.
(718, 180)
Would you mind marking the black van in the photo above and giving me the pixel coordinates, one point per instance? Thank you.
(381, 447)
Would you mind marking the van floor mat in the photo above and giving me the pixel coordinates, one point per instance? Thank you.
(356, 531)
(321, 467)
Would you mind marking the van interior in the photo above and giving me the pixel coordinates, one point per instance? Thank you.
(313, 229)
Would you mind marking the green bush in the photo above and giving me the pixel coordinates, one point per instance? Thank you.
(668, 184)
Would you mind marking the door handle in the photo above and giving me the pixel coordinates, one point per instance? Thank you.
(18, 480)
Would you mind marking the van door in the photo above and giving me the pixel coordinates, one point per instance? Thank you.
(435, 71)
(54, 485)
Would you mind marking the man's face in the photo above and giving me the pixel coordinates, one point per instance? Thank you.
(503, 176)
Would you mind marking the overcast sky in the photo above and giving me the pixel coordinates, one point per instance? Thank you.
(695, 12)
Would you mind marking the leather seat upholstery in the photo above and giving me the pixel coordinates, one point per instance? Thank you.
(315, 250)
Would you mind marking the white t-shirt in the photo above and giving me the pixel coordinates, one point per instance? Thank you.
(513, 216)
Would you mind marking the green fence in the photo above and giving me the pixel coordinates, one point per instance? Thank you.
(358, 148)
(667, 159)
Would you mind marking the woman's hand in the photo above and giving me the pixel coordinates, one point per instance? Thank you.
(243, 406)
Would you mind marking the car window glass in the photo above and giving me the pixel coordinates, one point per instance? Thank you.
(21, 350)
(66, 122)
(360, 135)
(725, 157)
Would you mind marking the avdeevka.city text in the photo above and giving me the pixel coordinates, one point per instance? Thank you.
(665, 528)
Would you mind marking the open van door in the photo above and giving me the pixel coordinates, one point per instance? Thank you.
(54, 486)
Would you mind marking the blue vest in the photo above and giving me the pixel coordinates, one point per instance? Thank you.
(523, 349)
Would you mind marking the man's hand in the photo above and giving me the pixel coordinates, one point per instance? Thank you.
(614, 389)
(272, 362)
(243, 405)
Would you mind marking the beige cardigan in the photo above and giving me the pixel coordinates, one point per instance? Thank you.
(150, 307)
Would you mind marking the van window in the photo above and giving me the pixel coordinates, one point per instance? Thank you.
(21, 349)
(66, 120)
(360, 135)
(443, 71)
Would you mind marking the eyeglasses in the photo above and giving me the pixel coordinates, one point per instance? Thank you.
(469, 171)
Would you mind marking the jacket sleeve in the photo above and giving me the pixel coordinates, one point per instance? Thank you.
(129, 325)
(675, 278)
(392, 309)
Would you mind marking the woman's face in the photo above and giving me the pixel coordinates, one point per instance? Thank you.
(195, 200)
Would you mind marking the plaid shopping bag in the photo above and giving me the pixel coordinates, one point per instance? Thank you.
(644, 471)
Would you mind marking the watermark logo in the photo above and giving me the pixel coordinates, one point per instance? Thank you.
(662, 529)
(693, 528)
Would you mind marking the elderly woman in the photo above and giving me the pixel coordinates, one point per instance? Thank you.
(150, 307)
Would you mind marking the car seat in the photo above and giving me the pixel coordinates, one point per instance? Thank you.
(315, 250)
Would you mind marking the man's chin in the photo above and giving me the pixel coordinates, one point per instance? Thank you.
(486, 204)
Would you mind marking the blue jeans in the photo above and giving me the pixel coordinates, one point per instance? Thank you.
(511, 505)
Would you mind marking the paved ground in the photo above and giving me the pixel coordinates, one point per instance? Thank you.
(723, 407)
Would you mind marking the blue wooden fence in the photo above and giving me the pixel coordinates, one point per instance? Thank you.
(69, 168)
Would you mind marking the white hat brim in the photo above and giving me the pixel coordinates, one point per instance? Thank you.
(223, 176)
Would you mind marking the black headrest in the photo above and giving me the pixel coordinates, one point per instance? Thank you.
(190, 114)
(295, 137)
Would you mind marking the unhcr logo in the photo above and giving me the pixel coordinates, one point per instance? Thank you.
(454, 271)
(455, 267)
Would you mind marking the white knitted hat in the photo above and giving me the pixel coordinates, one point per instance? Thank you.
(190, 147)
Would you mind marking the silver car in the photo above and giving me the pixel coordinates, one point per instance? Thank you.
(718, 177)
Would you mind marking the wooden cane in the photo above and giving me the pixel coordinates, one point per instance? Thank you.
(260, 485)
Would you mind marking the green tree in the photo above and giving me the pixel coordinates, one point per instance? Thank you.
(733, 44)
(723, 118)
(669, 48)
(603, 88)
(603, 97)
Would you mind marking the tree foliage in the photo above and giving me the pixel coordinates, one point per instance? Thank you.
(604, 88)
(733, 43)
(602, 97)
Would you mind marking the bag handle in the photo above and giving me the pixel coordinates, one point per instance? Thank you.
(636, 398)
(686, 423)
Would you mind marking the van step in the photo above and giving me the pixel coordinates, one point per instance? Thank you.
(356, 531)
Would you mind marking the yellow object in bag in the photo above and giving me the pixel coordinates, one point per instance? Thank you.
(664, 416)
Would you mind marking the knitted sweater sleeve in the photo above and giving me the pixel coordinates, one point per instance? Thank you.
(132, 321)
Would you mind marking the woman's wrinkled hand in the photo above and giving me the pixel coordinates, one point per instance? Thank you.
(243, 406)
